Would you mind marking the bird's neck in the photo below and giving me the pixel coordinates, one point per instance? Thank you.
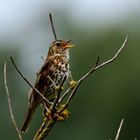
(64, 55)
(58, 55)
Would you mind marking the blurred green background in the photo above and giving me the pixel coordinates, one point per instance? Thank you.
(97, 28)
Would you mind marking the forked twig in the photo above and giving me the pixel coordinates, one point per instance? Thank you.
(93, 69)
(106, 62)
(75, 88)
(119, 130)
(9, 103)
(29, 83)
(115, 56)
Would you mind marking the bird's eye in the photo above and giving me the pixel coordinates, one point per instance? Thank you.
(58, 44)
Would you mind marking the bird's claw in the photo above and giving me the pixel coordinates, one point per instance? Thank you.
(57, 88)
(73, 84)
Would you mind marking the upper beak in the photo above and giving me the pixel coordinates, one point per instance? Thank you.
(67, 45)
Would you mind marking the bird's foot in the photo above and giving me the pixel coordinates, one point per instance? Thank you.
(62, 116)
(73, 84)
(59, 116)
(57, 88)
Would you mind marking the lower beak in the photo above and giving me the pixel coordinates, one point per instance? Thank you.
(68, 45)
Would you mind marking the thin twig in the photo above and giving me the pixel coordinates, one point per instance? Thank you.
(43, 58)
(58, 94)
(51, 81)
(119, 130)
(106, 62)
(53, 29)
(70, 98)
(94, 68)
(57, 91)
(39, 131)
(9, 103)
(115, 56)
(29, 83)
(44, 130)
(90, 71)
(65, 94)
(70, 90)
(75, 88)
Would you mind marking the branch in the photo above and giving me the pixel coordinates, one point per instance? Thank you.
(54, 85)
(93, 69)
(44, 129)
(73, 90)
(58, 91)
(119, 130)
(29, 83)
(9, 103)
(43, 58)
(39, 131)
(106, 62)
(65, 94)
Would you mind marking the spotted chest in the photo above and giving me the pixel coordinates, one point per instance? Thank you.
(59, 71)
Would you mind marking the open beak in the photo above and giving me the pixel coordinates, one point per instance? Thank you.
(67, 45)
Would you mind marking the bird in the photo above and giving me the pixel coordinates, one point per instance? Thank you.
(56, 66)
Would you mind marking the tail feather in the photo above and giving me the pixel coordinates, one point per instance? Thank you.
(27, 121)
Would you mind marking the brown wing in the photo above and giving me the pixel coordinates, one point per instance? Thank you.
(34, 99)
(41, 82)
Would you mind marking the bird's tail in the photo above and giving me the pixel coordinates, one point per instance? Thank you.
(29, 116)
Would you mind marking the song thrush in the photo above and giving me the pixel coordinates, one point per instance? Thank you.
(56, 66)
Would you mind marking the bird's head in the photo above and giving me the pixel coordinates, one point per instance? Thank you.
(60, 48)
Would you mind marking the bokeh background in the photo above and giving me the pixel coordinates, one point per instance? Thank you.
(97, 28)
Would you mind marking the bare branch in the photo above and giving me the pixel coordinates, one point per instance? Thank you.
(43, 58)
(70, 90)
(119, 130)
(106, 62)
(90, 71)
(52, 81)
(115, 56)
(73, 90)
(58, 95)
(57, 91)
(29, 83)
(39, 131)
(53, 29)
(9, 103)
(94, 68)
(65, 94)
(44, 130)
(70, 98)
